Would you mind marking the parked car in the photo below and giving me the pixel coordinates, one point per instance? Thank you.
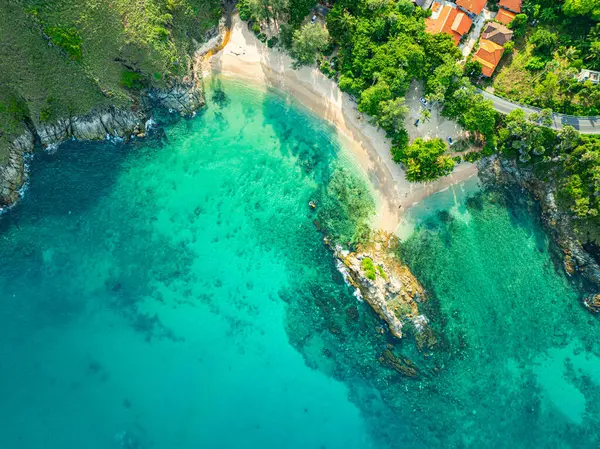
(417, 122)
(450, 141)
(423, 101)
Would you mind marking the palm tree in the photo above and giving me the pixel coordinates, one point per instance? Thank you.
(425, 115)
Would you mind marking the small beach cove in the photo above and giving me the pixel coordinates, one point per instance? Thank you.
(247, 59)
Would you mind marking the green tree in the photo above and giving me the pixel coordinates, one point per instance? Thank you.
(308, 41)
(424, 160)
(472, 69)
(480, 117)
(425, 115)
(519, 24)
(391, 115)
(589, 8)
(568, 137)
(543, 41)
(371, 98)
(266, 9)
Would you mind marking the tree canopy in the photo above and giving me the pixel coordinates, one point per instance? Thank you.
(308, 41)
(424, 160)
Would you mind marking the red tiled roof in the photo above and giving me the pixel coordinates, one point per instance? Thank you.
(489, 55)
(462, 24)
(504, 16)
(446, 19)
(474, 6)
(513, 5)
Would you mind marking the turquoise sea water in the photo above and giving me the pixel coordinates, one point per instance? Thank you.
(176, 293)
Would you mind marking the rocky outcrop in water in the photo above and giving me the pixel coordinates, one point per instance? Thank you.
(387, 285)
(505, 172)
(592, 302)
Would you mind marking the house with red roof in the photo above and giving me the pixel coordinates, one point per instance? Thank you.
(511, 5)
(446, 18)
(508, 10)
(491, 47)
(471, 7)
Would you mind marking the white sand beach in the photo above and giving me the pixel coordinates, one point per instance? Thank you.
(245, 57)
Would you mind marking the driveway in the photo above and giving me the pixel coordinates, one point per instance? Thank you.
(477, 27)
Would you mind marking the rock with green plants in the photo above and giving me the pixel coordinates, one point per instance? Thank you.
(379, 277)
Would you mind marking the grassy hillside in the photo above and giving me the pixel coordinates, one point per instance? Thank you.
(60, 57)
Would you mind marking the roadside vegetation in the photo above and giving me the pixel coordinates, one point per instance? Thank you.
(547, 56)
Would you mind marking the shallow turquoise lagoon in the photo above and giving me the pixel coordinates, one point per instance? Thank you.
(176, 293)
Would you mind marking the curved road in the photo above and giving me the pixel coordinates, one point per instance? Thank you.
(585, 125)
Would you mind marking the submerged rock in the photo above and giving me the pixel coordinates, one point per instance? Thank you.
(592, 302)
(387, 285)
(402, 365)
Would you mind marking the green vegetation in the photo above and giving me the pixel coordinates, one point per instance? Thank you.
(546, 59)
(310, 39)
(570, 160)
(369, 268)
(67, 39)
(424, 159)
(131, 80)
(63, 57)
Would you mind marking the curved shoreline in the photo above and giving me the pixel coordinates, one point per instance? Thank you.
(246, 58)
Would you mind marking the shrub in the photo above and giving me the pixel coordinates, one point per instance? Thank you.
(473, 156)
(381, 272)
(66, 38)
(536, 64)
(272, 42)
(256, 28)
(244, 10)
(369, 268)
(131, 80)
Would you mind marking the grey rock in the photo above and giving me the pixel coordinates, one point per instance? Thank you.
(558, 224)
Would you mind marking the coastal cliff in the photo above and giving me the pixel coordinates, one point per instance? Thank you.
(182, 98)
(387, 285)
(502, 172)
(67, 74)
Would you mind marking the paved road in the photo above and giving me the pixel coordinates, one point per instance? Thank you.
(585, 125)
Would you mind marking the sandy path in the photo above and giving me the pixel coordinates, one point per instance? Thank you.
(245, 57)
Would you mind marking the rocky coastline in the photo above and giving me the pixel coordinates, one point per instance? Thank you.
(380, 279)
(182, 98)
(503, 172)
